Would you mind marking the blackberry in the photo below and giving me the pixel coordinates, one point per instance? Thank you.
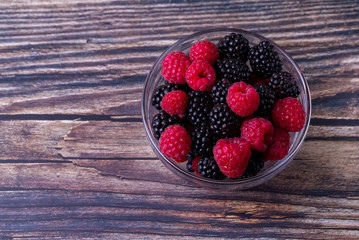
(202, 141)
(223, 121)
(190, 157)
(284, 85)
(267, 100)
(198, 107)
(234, 46)
(233, 69)
(264, 60)
(189, 167)
(208, 168)
(161, 121)
(219, 91)
(255, 165)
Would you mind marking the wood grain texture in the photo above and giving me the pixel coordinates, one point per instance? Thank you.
(75, 162)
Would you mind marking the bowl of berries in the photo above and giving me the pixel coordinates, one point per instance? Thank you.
(226, 108)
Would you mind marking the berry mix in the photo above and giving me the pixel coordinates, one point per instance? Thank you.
(223, 116)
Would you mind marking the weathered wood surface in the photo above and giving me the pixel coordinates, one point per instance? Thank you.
(74, 159)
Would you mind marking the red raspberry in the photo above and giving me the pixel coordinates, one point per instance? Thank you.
(175, 143)
(174, 67)
(204, 50)
(242, 99)
(201, 76)
(280, 146)
(258, 132)
(175, 103)
(289, 114)
(232, 156)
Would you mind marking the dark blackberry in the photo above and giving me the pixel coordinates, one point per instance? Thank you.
(189, 158)
(202, 141)
(198, 107)
(234, 46)
(208, 168)
(219, 91)
(264, 60)
(267, 100)
(189, 167)
(161, 91)
(161, 121)
(255, 165)
(284, 85)
(184, 87)
(223, 121)
(233, 69)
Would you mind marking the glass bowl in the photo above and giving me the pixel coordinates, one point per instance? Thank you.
(271, 168)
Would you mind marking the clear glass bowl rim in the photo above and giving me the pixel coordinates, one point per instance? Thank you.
(246, 182)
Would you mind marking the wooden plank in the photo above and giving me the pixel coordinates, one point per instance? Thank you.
(29, 141)
(98, 235)
(332, 104)
(83, 140)
(106, 140)
(25, 141)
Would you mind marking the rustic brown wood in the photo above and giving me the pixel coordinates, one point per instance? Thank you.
(75, 162)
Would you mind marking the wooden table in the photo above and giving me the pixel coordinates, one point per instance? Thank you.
(75, 162)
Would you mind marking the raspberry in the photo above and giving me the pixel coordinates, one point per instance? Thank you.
(161, 91)
(267, 100)
(242, 99)
(161, 121)
(232, 155)
(174, 67)
(204, 50)
(232, 69)
(279, 147)
(219, 91)
(264, 60)
(258, 132)
(200, 76)
(199, 104)
(175, 143)
(255, 165)
(289, 114)
(175, 103)
(284, 85)
(235, 46)
(223, 121)
(202, 141)
(208, 168)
